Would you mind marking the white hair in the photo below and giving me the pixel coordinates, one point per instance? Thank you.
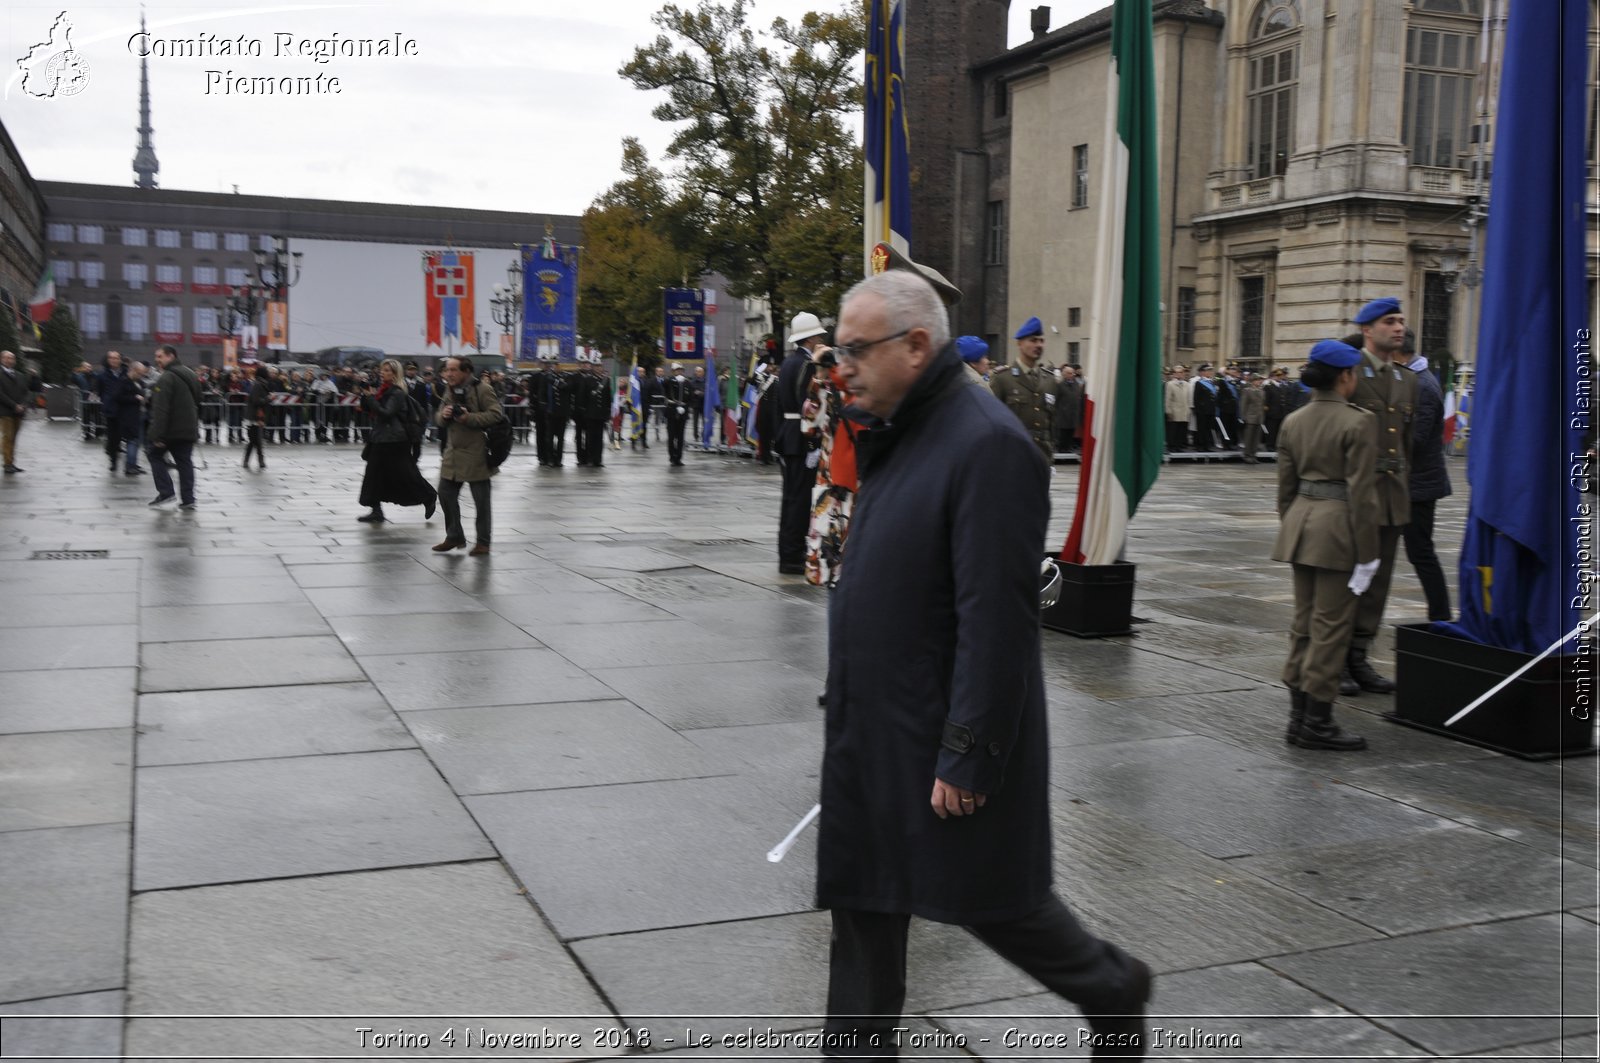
(908, 302)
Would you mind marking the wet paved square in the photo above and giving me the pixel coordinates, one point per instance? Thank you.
(265, 760)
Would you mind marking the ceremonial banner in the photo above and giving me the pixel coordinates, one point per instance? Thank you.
(278, 326)
(448, 289)
(684, 317)
(1123, 445)
(1527, 560)
(550, 301)
(885, 143)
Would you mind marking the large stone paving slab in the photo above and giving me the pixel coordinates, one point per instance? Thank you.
(611, 859)
(205, 823)
(226, 663)
(455, 941)
(774, 750)
(231, 591)
(481, 677)
(1263, 807)
(1439, 879)
(260, 722)
(546, 747)
(647, 644)
(1176, 907)
(598, 606)
(65, 778)
(779, 619)
(69, 610)
(391, 598)
(79, 699)
(65, 1040)
(108, 576)
(179, 623)
(429, 633)
(1244, 1010)
(99, 645)
(1537, 963)
(724, 694)
(1111, 671)
(401, 571)
(63, 911)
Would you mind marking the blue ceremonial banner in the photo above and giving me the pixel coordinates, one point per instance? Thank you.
(885, 143)
(1527, 560)
(549, 301)
(683, 312)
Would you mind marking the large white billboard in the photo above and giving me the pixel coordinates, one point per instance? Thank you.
(354, 294)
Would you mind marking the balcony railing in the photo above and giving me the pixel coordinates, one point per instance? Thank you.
(1247, 194)
(1434, 181)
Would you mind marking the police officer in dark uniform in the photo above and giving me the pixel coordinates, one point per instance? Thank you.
(1328, 513)
(591, 409)
(678, 394)
(1028, 391)
(536, 387)
(1205, 407)
(1386, 387)
(555, 401)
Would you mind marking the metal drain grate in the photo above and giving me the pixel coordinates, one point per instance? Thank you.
(70, 555)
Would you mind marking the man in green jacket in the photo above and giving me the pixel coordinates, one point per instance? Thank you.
(174, 427)
(467, 407)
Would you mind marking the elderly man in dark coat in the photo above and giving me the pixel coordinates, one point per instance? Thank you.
(935, 776)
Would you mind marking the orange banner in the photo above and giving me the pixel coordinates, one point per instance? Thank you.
(278, 326)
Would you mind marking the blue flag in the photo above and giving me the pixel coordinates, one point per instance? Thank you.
(550, 301)
(710, 411)
(1522, 586)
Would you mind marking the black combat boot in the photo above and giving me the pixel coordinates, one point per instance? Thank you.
(1365, 675)
(1297, 713)
(1348, 687)
(1318, 731)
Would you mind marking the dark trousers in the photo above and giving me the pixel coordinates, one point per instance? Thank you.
(450, 502)
(253, 432)
(1177, 435)
(677, 422)
(591, 441)
(182, 452)
(1418, 538)
(555, 426)
(1369, 608)
(1204, 429)
(113, 441)
(794, 515)
(867, 973)
(541, 440)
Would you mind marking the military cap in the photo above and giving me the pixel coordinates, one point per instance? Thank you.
(1376, 309)
(948, 293)
(1338, 354)
(971, 348)
(1031, 327)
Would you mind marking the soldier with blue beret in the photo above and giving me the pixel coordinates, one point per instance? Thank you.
(1028, 391)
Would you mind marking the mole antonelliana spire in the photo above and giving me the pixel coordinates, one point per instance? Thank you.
(145, 166)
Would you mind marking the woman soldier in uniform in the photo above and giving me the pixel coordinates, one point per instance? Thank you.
(1328, 513)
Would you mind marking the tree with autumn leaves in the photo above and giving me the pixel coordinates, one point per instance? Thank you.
(766, 180)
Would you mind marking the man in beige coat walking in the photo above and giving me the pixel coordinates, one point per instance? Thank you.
(466, 410)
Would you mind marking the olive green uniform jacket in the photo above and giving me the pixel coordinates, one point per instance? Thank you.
(1389, 392)
(1031, 395)
(1327, 440)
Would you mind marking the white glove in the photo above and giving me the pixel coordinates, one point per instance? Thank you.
(812, 458)
(1361, 578)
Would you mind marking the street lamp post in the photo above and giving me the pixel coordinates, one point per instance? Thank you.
(277, 270)
(506, 304)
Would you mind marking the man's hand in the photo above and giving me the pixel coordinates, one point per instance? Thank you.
(950, 800)
(156, 444)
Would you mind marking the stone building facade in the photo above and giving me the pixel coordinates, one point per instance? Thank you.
(1313, 154)
(22, 254)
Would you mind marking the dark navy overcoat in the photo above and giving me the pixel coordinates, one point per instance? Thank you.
(933, 665)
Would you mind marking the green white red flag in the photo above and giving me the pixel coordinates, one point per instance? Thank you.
(43, 303)
(1123, 446)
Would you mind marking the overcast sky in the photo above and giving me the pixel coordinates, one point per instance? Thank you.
(506, 104)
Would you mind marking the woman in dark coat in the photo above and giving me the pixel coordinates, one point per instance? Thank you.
(392, 474)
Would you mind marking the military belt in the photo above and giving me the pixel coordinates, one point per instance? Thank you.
(1391, 465)
(1336, 490)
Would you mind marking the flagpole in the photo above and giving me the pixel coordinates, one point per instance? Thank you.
(886, 79)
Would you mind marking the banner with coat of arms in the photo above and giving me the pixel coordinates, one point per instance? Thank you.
(549, 301)
(683, 324)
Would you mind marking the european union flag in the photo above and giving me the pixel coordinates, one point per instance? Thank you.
(1527, 556)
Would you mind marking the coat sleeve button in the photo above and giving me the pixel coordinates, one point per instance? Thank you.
(994, 749)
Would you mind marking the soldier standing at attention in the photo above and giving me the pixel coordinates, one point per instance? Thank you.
(1386, 387)
(1028, 391)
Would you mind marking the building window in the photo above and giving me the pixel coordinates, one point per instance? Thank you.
(1074, 316)
(1186, 318)
(1072, 352)
(235, 277)
(1441, 64)
(1080, 176)
(169, 319)
(91, 234)
(169, 274)
(1252, 317)
(92, 320)
(236, 242)
(135, 237)
(136, 322)
(205, 275)
(92, 272)
(1438, 307)
(264, 242)
(59, 232)
(135, 274)
(168, 238)
(995, 252)
(204, 241)
(205, 320)
(61, 269)
(1270, 88)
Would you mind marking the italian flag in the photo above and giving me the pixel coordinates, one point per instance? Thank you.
(1122, 450)
(43, 303)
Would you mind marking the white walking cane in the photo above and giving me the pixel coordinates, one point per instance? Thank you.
(1514, 676)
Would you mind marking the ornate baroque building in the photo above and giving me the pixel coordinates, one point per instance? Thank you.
(1313, 154)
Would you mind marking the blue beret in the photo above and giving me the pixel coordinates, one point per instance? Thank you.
(1335, 353)
(1376, 309)
(971, 348)
(1030, 327)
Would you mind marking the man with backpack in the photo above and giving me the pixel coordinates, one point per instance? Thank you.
(468, 415)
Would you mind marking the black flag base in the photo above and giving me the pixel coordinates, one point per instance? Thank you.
(1547, 712)
(1095, 601)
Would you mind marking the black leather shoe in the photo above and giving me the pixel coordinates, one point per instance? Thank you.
(1318, 731)
(1297, 713)
(1124, 1035)
(1365, 675)
(792, 570)
(1348, 687)
(375, 517)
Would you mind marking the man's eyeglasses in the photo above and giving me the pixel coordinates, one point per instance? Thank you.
(853, 351)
